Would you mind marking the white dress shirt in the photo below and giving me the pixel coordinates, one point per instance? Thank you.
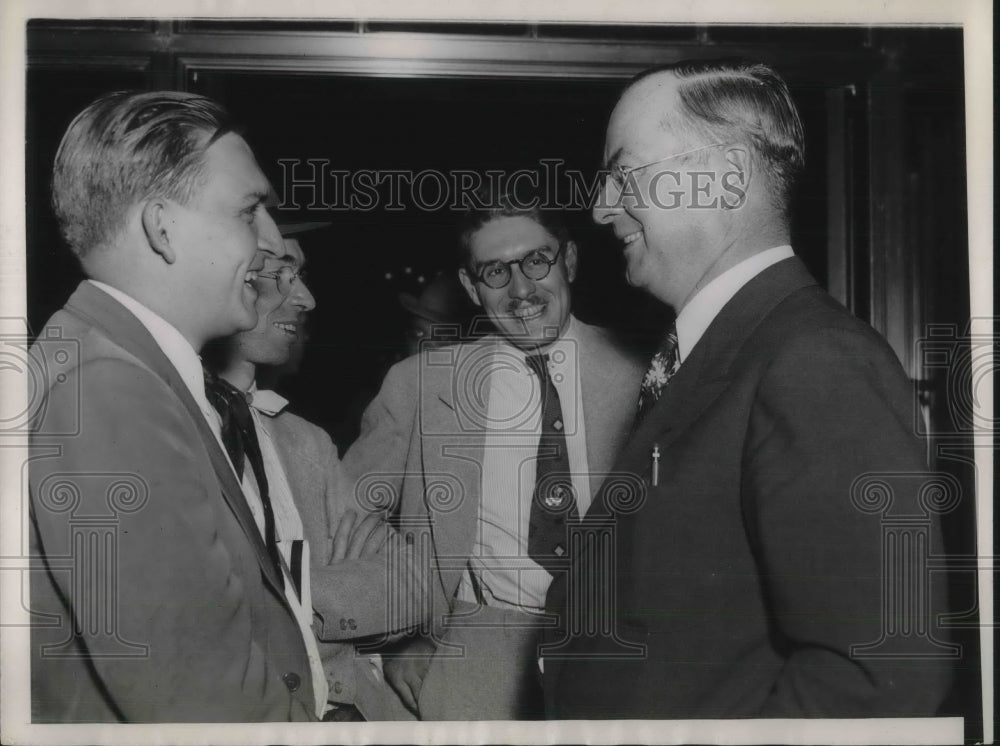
(506, 575)
(701, 310)
(183, 357)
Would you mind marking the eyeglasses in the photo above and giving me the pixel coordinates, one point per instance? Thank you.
(285, 278)
(534, 265)
(619, 174)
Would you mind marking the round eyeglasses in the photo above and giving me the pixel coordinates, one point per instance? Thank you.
(285, 278)
(534, 265)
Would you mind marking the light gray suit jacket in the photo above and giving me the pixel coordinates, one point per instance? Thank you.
(350, 593)
(422, 441)
(157, 602)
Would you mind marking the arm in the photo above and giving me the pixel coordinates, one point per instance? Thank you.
(372, 468)
(830, 409)
(352, 594)
(184, 586)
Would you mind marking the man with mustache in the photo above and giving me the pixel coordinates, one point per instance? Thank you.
(774, 442)
(333, 558)
(497, 445)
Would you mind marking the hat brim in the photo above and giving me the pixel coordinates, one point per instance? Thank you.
(413, 305)
(290, 229)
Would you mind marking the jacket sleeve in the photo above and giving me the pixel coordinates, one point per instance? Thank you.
(175, 583)
(832, 412)
(373, 467)
(379, 597)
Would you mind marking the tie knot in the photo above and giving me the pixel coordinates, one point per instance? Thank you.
(668, 348)
(222, 395)
(538, 364)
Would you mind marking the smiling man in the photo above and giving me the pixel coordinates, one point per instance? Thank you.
(502, 442)
(755, 577)
(336, 562)
(160, 596)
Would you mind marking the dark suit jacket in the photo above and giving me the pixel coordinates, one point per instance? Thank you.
(149, 550)
(756, 564)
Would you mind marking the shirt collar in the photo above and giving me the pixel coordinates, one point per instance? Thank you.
(266, 401)
(178, 350)
(566, 342)
(695, 318)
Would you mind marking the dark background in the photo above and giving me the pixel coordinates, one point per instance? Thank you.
(359, 265)
(884, 184)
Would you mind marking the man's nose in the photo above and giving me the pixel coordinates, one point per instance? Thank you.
(268, 235)
(302, 296)
(520, 286)
(608, 203)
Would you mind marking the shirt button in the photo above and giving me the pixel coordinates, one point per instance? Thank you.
(343, 624)
(352, 624)
(292, 681)
(338, 687)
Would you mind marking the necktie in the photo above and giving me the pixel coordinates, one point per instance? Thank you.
(240, 439)
(553, 503)
(662, 368)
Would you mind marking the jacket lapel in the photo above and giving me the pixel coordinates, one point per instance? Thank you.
(453, 417)
(118, 324)
(700, 380)
(706, 373)
(603, 396)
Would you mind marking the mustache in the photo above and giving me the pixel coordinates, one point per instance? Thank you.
(516, 303)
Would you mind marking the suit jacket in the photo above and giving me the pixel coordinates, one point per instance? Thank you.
(752, 574)
(156, 601)
(343, 592)
(423, 436)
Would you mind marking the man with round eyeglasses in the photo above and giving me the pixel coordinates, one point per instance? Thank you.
(498, 444)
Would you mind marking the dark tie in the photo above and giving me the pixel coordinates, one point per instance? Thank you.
(553, 503)
(661, 369)
(240, 439)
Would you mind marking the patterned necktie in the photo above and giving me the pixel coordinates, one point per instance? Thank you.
(240, 439)
(553, 503)
(662, 368)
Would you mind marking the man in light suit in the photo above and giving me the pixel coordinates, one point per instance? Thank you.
(750, 571)
(156, 597)
(333, 554)
(496, 445)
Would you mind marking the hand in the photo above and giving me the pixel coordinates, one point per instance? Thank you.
(354, 539)
(405, 671)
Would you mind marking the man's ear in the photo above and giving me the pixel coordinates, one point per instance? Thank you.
(736, 182)
(570, 257)
(469, 285)
(155, 224)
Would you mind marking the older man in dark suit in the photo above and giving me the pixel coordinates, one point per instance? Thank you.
(748, 577)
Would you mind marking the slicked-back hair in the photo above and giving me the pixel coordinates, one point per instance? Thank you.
(487, 206)
(126, 147)
(734, 100)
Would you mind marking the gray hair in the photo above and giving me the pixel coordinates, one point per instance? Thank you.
(729, 101)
